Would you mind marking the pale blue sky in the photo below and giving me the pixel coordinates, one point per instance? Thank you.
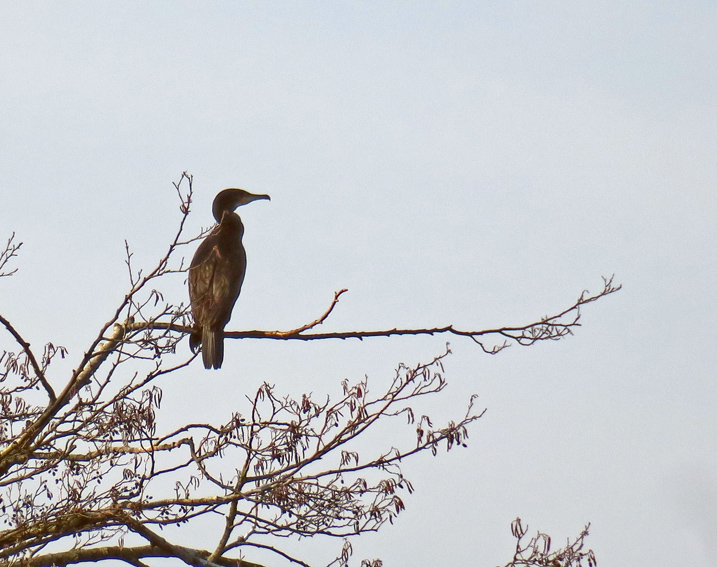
(448, 162)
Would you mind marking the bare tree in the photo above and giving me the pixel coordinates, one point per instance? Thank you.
(86, 474)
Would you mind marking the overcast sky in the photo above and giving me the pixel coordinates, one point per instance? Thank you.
(465, 163)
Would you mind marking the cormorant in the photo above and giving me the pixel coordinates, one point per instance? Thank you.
(216, 275)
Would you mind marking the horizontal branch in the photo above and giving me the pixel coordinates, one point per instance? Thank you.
(126, 554)
(121, 448)
(552, 327)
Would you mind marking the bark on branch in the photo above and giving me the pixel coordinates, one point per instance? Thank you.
(131, 555)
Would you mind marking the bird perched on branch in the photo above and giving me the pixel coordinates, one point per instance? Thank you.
(216, 275)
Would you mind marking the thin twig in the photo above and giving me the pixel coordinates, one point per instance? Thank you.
(7, 254)
(31, 357)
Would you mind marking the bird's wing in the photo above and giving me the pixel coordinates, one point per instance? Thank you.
(202, 273)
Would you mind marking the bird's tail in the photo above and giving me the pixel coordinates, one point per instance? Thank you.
(212, 348)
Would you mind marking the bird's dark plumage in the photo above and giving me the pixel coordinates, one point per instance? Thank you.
(216, 275)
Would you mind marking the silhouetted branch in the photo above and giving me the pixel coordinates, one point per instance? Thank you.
(321, 319)
(554, 327)
(278, 552)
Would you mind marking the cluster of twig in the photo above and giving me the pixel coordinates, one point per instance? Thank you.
(536, 552)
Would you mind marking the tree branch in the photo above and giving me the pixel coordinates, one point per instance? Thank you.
(553, 327)
(275, 550)
(132, 555)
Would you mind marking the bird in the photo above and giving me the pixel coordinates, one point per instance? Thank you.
(216, 275)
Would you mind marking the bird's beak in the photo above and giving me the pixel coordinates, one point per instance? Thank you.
(249, 197)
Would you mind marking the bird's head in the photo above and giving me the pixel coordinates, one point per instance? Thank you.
(229, 199)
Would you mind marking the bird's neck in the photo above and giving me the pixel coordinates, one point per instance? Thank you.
(231, 224)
